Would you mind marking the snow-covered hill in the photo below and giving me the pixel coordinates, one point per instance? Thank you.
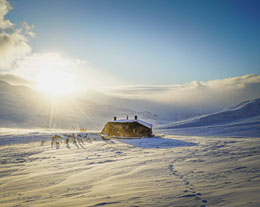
(240, 120)
(23, 107)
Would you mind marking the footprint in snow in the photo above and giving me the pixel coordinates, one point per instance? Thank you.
(192, 194)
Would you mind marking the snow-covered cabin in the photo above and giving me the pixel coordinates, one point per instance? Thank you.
(127, 128)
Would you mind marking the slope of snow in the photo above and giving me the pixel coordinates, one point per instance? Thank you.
(240, 120)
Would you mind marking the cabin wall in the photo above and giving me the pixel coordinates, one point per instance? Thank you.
(126, 130)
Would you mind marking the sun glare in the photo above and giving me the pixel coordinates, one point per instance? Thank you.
(56, 83)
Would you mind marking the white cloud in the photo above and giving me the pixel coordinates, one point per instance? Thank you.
(28, 29)
(4, 9)
(13, 46)
(13, 42)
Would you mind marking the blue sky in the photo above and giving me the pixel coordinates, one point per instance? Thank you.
(152, 41)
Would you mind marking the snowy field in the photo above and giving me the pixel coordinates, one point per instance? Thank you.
(162, 171)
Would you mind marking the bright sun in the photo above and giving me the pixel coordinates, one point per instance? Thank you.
(56, 83)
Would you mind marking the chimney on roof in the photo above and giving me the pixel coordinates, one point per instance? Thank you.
(135, 117)
(114, 118)
(127, 117)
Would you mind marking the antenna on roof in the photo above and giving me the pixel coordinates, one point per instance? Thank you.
(127, 117)
(135, 117)
(114, 118)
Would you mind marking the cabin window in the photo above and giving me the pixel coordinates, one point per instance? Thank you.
(134, 131)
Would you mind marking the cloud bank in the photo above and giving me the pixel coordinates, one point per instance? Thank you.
(214, 93)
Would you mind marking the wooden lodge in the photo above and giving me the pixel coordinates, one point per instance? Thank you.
(127, 128)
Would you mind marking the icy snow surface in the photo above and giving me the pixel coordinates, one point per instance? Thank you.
(201, 171)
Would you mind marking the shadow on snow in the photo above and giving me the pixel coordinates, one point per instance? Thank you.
(156, 142)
